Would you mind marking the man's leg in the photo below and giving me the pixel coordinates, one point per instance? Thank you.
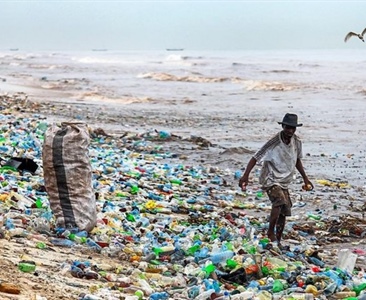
(280, 226)
(273, 219)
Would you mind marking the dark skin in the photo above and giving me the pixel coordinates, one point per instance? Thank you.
(276, 219)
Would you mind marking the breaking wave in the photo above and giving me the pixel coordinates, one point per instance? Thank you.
(190, 78)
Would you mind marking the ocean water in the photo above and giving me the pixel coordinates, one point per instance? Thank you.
(325, 87)
(220, 78)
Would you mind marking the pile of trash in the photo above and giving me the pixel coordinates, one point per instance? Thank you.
(182, 230)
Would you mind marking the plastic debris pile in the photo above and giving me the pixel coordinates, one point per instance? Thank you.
(178, 231)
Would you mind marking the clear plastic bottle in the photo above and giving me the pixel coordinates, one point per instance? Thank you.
(301, 296)
(221, 256)
(246, 295)
(145, 286)
(205, 295)
(62, 242)
(225, 296)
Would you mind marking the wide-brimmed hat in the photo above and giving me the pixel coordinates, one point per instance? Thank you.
(290, 120)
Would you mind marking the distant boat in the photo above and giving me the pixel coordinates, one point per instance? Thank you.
(99, 49)
(13, 49)
(174, 49)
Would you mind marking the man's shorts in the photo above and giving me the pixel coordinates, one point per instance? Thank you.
(280, 197)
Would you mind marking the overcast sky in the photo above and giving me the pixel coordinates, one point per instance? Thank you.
(190, 24)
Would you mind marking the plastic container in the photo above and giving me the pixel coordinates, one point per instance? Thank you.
(359, 288)
(62, 242)
(27, 266)
(221, 256)
(300, 296)
(159, 296)
(242, 296)
(205, 295)
(342, 295)
(278, 286)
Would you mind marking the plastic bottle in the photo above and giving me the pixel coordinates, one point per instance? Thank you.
(90, 297)
(139, 294)
(346, 294)
(316, 261)
(362, 296)
(205, 295)
(27, 266)
(330, 289)
(159, 296)
(145, 286)
(192, 250)
(193, 292)
(62, 242)
(301, 296)
(314, 217)
(93, 245)
(91, 275)
(134, 189)
(221, 256)
(203, 253)
(77, 239)
(77, 272)
(209, 269)
(359, 288)
(277, 286)
(246, 295)
(143, 222)
(165, 250)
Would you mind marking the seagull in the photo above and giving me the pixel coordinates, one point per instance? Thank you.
(359, 35)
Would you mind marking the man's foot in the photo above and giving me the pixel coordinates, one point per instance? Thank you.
(272, 236)
(278, 238)
(284, 247)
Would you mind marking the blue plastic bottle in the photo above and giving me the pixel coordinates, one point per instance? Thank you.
(316, 261)
(93, 245)
(159, 296)
(62, 242)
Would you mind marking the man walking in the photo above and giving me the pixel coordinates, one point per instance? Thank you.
(281, 157)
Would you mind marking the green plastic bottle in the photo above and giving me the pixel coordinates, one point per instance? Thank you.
(134, 189)
(130, 217)
(277, 286)
(39, 203)
(27, 266)
(359, 288)
(314, 217)
(209, 269)
(231, 264)
(192, 250)
(176, 181)
(259, 194)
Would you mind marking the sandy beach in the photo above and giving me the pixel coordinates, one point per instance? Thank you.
(220, 138)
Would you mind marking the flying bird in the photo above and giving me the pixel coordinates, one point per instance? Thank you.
(359, 35)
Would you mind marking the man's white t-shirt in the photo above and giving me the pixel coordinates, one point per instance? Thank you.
(279, 161)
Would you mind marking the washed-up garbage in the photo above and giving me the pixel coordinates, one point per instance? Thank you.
(346, 260)
(175, 231)
(21, 164)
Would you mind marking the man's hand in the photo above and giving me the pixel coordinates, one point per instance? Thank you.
(308, 185)
(243, 182)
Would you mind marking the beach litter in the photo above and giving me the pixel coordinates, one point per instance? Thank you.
(168, 230)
